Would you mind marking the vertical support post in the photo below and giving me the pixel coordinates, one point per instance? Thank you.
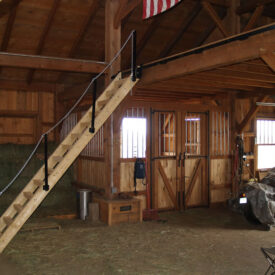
(134, 56)
(46, 185)
(92, 129)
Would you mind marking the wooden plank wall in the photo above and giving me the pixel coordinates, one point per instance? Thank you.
(220, 155)
(25, 115)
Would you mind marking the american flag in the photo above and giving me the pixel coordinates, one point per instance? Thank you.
(154, 7)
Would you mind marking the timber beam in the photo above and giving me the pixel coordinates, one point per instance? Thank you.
(17, 85)
(269, 59)
(251, 113)
(50, 63)
(211, 56)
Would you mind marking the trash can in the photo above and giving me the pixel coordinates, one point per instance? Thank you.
(83, 199)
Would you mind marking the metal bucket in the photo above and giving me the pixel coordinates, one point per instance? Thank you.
(83, 199)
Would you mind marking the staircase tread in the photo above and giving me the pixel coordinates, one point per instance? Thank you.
(18, 207)
(28, 195)
(57, 158)
(38, 182)
(7, 220)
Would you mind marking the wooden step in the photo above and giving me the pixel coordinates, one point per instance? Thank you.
(28, 195)
(110, 93)
(18, 207)
(38, 182)
(102, 103)
(8, 220)
(66, 146)
(75, 136)
(85, 124)
(57, 158)
(50, 170)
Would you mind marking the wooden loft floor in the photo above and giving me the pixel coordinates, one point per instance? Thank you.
(242, 67)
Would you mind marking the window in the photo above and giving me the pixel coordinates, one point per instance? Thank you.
(133, 134)
(266, 143)
(193, 134)
(167, 137)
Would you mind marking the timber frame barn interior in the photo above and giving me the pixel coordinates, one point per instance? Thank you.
(203, 68)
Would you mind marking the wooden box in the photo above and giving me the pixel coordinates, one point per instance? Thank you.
(120, 211)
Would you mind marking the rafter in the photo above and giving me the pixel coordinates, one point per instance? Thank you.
(185, 25)
(208, 7)
(254, 17)
(84, 26)
(44, 35)
(252, 5)
(209, 30)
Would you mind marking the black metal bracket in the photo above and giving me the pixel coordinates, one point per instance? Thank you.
(46, 185)
(92, 129)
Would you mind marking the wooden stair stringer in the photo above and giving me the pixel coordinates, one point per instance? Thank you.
(63, 165)
(21, 199)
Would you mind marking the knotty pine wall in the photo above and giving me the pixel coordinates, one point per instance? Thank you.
(25, 115)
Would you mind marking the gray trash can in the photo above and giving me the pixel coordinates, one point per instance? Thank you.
(83, 199)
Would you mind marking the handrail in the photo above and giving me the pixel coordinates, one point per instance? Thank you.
(131, 36)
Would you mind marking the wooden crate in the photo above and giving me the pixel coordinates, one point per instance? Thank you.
(119, 211)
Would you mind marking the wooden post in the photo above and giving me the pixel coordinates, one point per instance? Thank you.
(112, 46)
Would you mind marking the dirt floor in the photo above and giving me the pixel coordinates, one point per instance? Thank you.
(199, 241)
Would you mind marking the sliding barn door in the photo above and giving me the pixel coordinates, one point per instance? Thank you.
(163, 159)
(195, 159)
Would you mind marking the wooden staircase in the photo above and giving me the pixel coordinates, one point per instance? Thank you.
(65, 154)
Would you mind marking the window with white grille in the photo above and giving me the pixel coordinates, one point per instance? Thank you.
(266, 143)
(133, 134)
(167, 134)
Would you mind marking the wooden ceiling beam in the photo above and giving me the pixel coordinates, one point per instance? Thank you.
(211, 11)
(252, 5)
(244, 75)
(235, 79)
(50, 63)
(215, 84)
(223, 55)
(269, 59)
(254, 17)
(246, 67)
(17, 85)
(44, 35)
(184, 26)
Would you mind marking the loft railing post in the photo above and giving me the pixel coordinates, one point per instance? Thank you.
(92, 129)
(134, 56)
(46, 185)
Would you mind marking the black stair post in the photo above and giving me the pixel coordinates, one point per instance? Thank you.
(46, 185)
(92, 129)
(134, 56)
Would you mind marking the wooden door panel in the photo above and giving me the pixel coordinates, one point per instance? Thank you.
(165, 199)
